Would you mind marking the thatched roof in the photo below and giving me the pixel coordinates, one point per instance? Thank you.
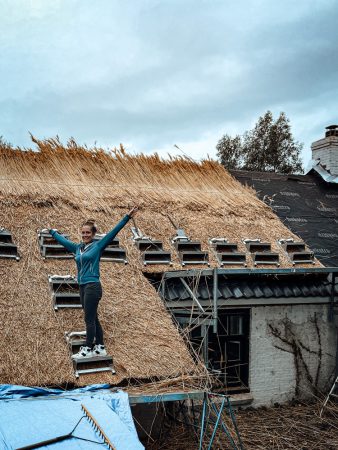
(61, 186)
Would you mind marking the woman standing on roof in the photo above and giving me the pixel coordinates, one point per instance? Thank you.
(87, 257)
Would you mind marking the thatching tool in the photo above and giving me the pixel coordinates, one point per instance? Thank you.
(172, 222)
(47, 442)
(180, 234)
(97, 427)
(134, 223)
(61, 438)
(137, 234)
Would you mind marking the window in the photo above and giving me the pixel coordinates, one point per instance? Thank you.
(235, 324)
(225, 353)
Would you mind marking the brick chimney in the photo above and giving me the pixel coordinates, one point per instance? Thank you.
(326, 150)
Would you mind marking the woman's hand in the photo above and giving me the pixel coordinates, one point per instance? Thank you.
(133, 211)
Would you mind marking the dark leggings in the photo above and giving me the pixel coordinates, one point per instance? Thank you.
(90, 295)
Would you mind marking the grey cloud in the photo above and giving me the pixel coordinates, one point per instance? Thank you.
(179, 70)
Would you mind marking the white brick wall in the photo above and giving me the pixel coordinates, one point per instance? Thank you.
(327, 151)
(272, 371)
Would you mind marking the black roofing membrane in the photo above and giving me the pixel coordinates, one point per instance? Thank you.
(306, 204)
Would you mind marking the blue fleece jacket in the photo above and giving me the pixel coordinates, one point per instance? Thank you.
(88, 257)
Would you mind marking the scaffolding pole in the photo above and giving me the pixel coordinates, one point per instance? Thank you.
(215, 298)
(185, 284)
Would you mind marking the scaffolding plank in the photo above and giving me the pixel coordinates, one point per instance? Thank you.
(165, 397)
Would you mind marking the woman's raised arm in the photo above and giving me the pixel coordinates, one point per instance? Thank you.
(106, 240)
(69, 245)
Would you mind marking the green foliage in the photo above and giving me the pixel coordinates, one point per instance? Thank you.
(230, 151)
(268, 147)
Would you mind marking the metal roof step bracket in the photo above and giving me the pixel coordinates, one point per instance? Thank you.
(296, 251)
(113, 252)
(227, 253)
(189, 252)
(152, 251)
(50, 248)
(87, 365)
(7, 247)
(261, 252)
(65, 292)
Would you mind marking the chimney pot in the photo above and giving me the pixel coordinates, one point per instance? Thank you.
(332, 130)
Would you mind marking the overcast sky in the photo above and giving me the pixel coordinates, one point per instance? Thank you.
(155, 73)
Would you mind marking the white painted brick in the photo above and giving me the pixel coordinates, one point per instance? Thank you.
(327, 151)
(272, 371)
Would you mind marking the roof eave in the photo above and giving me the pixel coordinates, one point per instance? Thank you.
(315, 165)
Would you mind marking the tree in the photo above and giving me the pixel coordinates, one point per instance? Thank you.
(268, 147)
(230, 151)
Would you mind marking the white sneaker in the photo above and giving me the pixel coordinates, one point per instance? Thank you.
(99, 350)
(84, 352)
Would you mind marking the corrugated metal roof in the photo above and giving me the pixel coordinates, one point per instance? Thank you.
(247, 288)
(327, 176)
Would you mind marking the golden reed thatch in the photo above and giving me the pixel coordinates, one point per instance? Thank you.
(60, 186)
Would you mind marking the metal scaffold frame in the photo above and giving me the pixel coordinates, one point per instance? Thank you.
(212, 417)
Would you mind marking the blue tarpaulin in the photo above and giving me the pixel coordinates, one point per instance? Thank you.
(31, 415)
